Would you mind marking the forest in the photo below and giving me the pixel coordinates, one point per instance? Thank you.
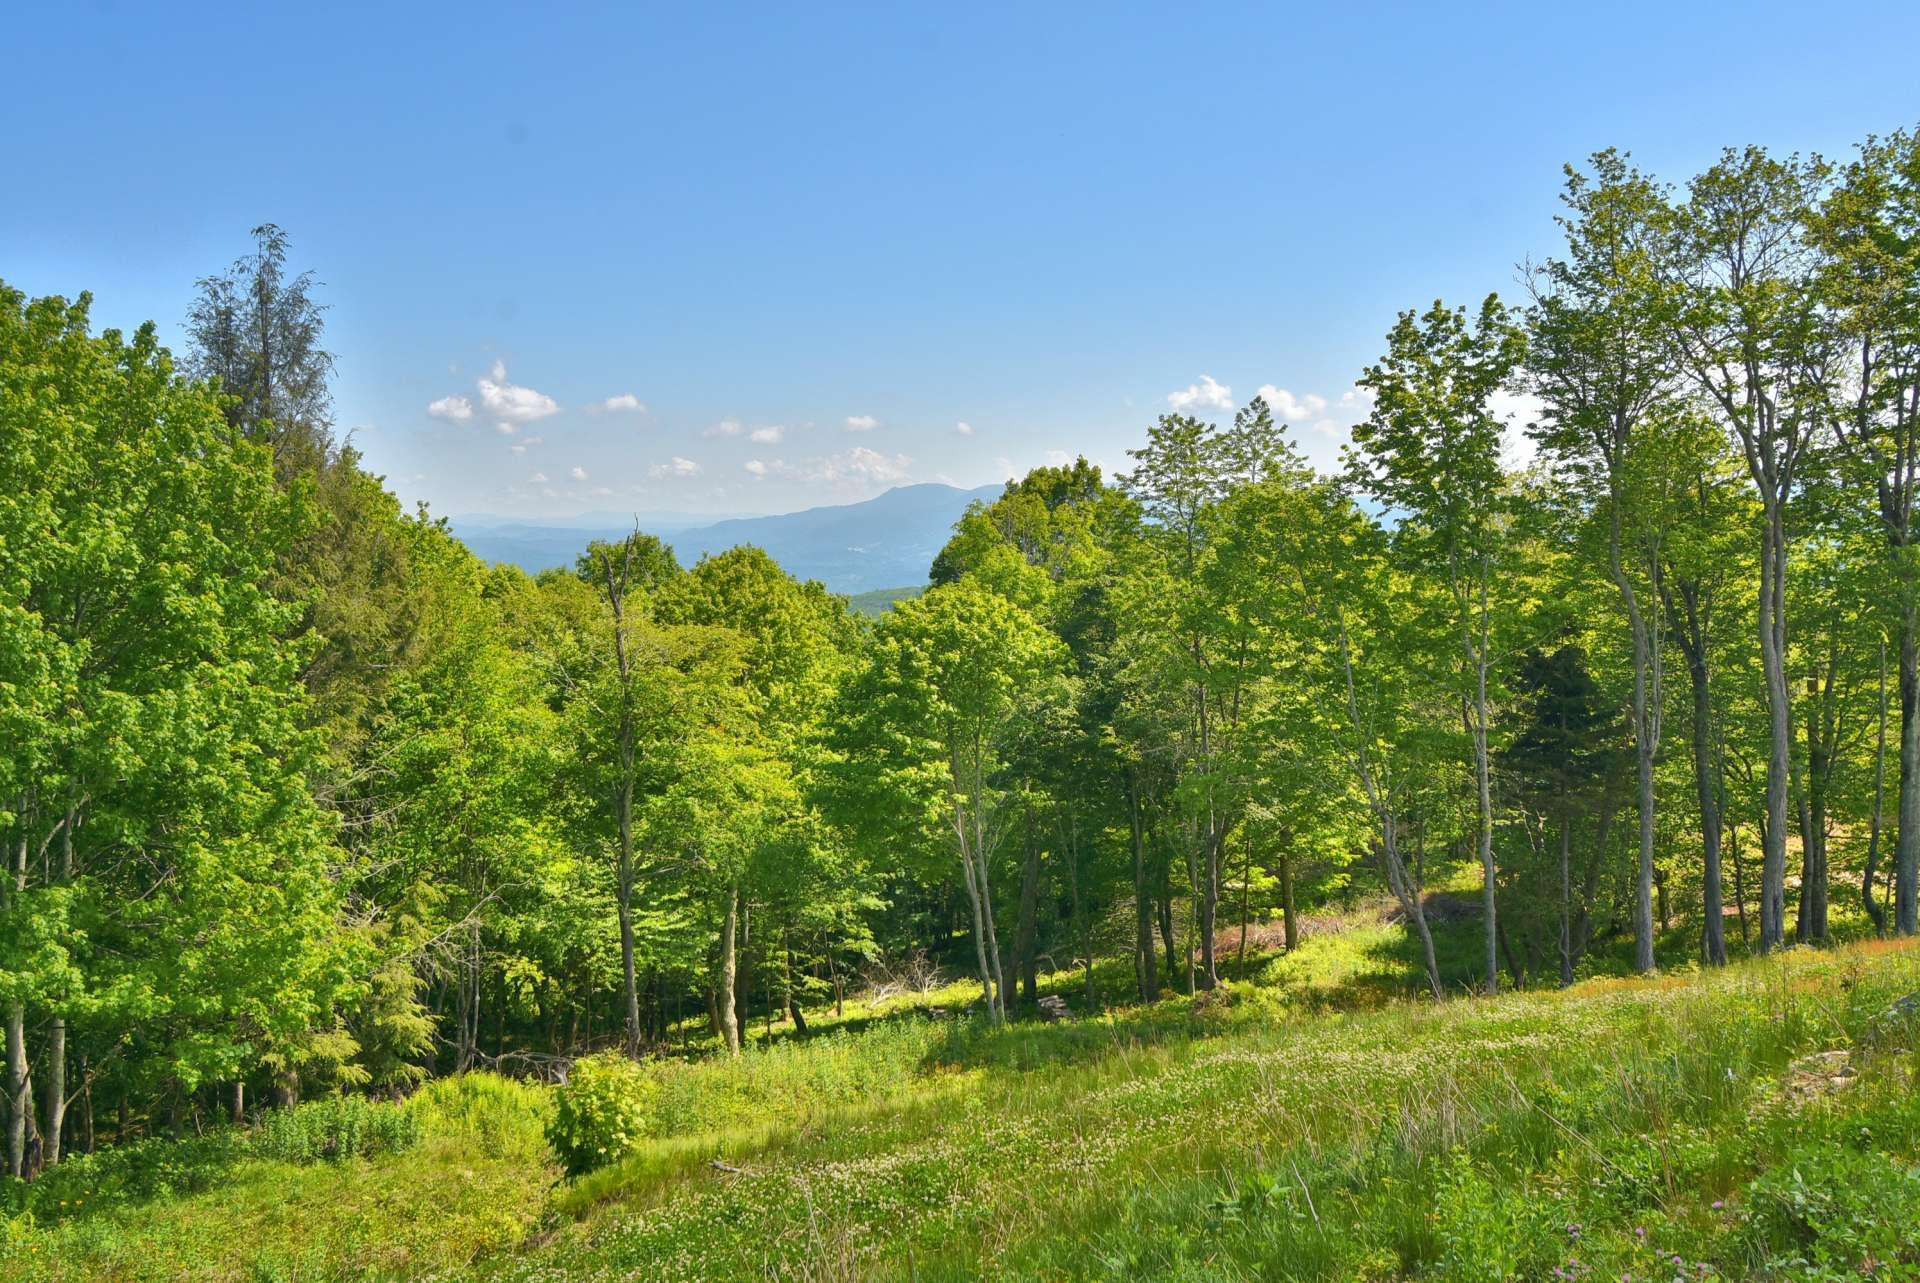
(307, 810)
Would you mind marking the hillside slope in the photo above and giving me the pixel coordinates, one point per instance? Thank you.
(1755, 1123)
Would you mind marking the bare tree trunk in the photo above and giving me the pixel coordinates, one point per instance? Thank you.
(1026, 932)
(1739, 883)
(1084, 928)
(979, 919)
(1207, 889)
(19, 1087)
(1483, 782)
(1166, 926)
(1144, 965)
(1773, 898)
(19, 1090)
(1287, 911)
(1246, 906)
(1906, 847)
(993, 941)
(729, 974)
(1566, 897)
(1690, 627)
(616, 580)
(56, 1089)
(1874, 908)
(1646, 736)
(1822, 733)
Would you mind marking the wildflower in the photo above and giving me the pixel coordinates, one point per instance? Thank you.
(1719, 1205)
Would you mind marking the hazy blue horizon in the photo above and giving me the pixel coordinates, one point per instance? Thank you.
(721, 261)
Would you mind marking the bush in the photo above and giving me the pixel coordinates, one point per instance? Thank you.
(1488, 1230)
(1844, 1212)
(602, 1113)
(499, 1116)
(139, 1170)
(334, 1128)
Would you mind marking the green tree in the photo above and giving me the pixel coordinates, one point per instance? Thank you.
(1753, 340)
(952, 680)
(1430, 452)
(168, 871)
(1868, 232)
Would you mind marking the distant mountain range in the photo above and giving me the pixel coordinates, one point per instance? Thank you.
(885, 542)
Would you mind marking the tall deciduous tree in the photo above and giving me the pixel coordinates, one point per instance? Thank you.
(1869, 233)
(952, 681)
(1752, 336)
(1602, 361)
(1430, 452)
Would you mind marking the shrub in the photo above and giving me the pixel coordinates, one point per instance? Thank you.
(156, 1167)
(1487, 1230)
(602, 1113)
(334, 1128)
(1843, 1212)
(500, 1116)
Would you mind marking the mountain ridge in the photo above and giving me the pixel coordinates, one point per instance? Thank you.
(882, 542)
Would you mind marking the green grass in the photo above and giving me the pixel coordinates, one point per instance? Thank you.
(1309, 1123)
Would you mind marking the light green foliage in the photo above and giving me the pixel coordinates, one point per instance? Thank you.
(603, 1112)
(178, 894)
(336, 1128)
(499, 1116)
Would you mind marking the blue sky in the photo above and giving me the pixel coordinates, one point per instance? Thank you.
(814, 241)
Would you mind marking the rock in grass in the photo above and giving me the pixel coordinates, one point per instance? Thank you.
(1822, 1074)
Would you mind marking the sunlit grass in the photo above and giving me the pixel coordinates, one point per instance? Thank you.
(1311, 1122)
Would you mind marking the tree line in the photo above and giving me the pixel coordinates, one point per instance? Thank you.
(301, 797)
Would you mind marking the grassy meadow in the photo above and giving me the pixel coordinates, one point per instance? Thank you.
(1310, 1122)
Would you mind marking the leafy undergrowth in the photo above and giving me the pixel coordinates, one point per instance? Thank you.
(1645, 1129)
(464, 1171)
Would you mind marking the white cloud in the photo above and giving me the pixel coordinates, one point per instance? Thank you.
(858, 465)
(578, 474)
(861, 464)
(677, 467)
(538, 478)
(964, 428)
(769, 435)
(456, 408)
(518, 447)
(624, 403)
(861, 423)
(1058, 458)
(1207, 394)
(510, 401)
(1294, 409)
(724, 428)
(1517, 410)
(1004, 466)
(505, 429)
